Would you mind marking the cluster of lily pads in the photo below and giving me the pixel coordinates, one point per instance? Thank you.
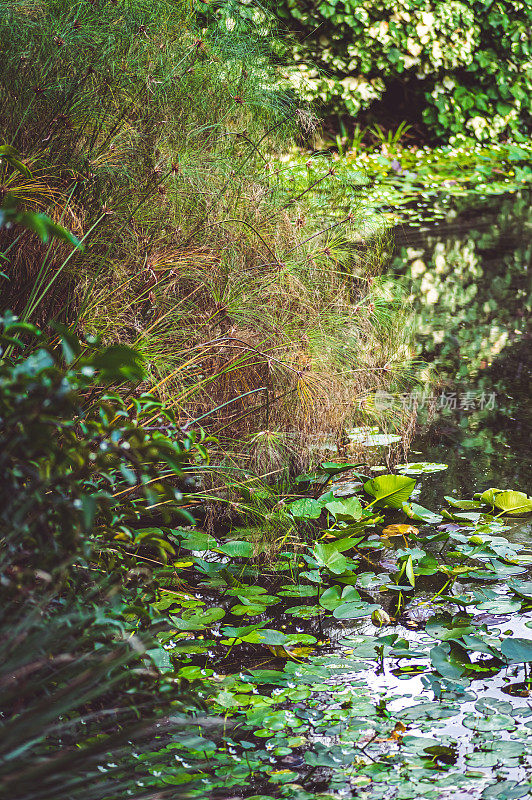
(267, 639)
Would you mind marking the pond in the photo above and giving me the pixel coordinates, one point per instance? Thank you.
(471, 282)
(386, 654)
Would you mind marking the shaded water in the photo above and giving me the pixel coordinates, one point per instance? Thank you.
(470, 280)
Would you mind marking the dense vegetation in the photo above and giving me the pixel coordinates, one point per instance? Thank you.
(463, 67)
(153, 140)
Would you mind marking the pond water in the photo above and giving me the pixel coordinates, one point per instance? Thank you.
(433, 700)
(470, 279)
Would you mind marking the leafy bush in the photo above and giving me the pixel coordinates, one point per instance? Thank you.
(81, 694)
(75, 453)
(466, 66)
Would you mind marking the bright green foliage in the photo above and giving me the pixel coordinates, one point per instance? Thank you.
(70, 461)
(467, 65)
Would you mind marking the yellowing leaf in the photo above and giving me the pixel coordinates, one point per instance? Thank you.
(399, 530)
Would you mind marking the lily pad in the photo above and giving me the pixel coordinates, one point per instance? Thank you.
(390, 490)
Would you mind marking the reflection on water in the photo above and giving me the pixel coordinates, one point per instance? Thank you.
(470, 283)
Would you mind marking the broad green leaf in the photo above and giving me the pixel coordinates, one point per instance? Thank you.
(345, 510)
(195, 540)
(518, 651)
(198, 620)
(327, 555)
(390, 490)
(305, 508)
(266, 636)
(421, 468)
(251, 609)
(335, 596)
(334, 468)
(464, 505)
(420, 514)
(409, 569)
(160, 658)
(237, 549)
(489, 495)
(354, 610)
(513, 503)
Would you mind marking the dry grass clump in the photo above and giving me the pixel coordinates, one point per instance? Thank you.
(154, 140)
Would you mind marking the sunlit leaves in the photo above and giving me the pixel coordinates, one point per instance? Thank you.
(390, 490)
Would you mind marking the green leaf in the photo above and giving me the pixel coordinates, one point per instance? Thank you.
(265, 636)
(305, 508)
(327, 555)
(346, 510)
(237, 549)
(198, 620)
(518, 651)
(410, 571)
(513, 503)
(195, 540)
(161, 659)
(334, 468)
(354, 610)
(420, 514)
(465, 505)
(335, 596)
(390, 490)
(118, 361)
(421, 468)
(489, 495)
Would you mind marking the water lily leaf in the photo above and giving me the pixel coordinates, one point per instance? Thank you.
(518, 651)
(375, 439)
(304, 612)
(267, 636)
(328, 555)
(345, 510)
(237, 549)
(390, 490)
(421, 467)
(445, 662)
(409, 569)
(231, 632)
(513, 503)
(420, 514)
(522, 588)
(495, 722)
(335, 596)
(299, 591)
(195, 540)
(305, 508)
(198, 620)
(399, 530)
(161, 659)
(251, 609)
(334, 468)
(354, 610)
(489, 495)
(247, 591)
(465, 505)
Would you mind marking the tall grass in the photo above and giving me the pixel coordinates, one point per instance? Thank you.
(154, 139)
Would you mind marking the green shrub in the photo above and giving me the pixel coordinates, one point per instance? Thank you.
(83, 689)
(465, 66)
(78, 457)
